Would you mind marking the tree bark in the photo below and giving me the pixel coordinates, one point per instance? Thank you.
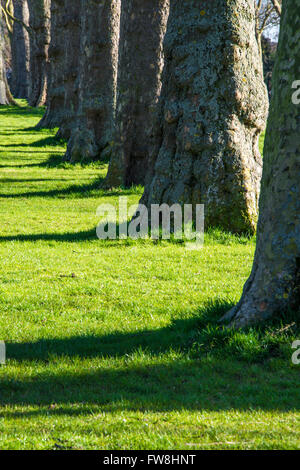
(143, 26)
(39, 19)
(5, 95)
(71, 67)
(92, 132)
(63, 66)
(274, 284)
(20, 51)
(55, 97)
(214, 106)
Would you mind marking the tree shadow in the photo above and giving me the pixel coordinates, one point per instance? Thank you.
(20, 110)
(154, 384)
(76, 190)
(79, 191)
(51, 141)
(53, 161)
(84, 235)
(28, 180)
(113, 345)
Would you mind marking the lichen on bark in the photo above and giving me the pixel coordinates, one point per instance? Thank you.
(273, 287)
(214, 104)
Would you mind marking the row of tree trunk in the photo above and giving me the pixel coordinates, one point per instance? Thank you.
(173, 93)
(29, 51)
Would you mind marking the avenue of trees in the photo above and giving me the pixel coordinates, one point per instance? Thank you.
(172, 94)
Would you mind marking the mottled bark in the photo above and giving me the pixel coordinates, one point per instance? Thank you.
(20, 51)
(55, 97)
(63, 66)
(39, 19)
(143, 26)
(92, 131)
(274, 284)
(71, 67)
(214, 106)
(5, 95)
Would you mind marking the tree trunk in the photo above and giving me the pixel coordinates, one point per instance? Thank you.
(143, 26)
(20, 51)
(215, 106)
(71, 67)
(55, 99)
(93, 127)
(274, 284)
(39, 20)
(5, 95)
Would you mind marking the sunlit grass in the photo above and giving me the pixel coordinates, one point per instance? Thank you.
(116, 345)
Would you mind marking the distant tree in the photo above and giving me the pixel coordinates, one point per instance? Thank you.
(267, 15)
(5, 95)
(39, 20)
(143, 26)
(278, 6)
(269, 49)
(273, 287)
(71, 26)
(64, 59)
(20, 50)
(92, 128)
(55, 58)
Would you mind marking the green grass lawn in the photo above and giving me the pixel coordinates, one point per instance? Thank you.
(116, 345)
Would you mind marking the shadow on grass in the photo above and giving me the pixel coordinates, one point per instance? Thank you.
(50, 141)
(52, 162)
(112, 345)
(22, 111)
(78, 191)
(84, 235)
(145, 379)
(28, 180)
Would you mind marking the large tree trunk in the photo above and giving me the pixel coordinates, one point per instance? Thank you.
(93, 127)
(55, 98)
(143, 26)
(5, 95)
(39, 19)
(215, 106)
(274, 284)
(20, 51)
(71, 67)
(63, 66)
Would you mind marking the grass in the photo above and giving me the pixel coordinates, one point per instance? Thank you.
(116, 345)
